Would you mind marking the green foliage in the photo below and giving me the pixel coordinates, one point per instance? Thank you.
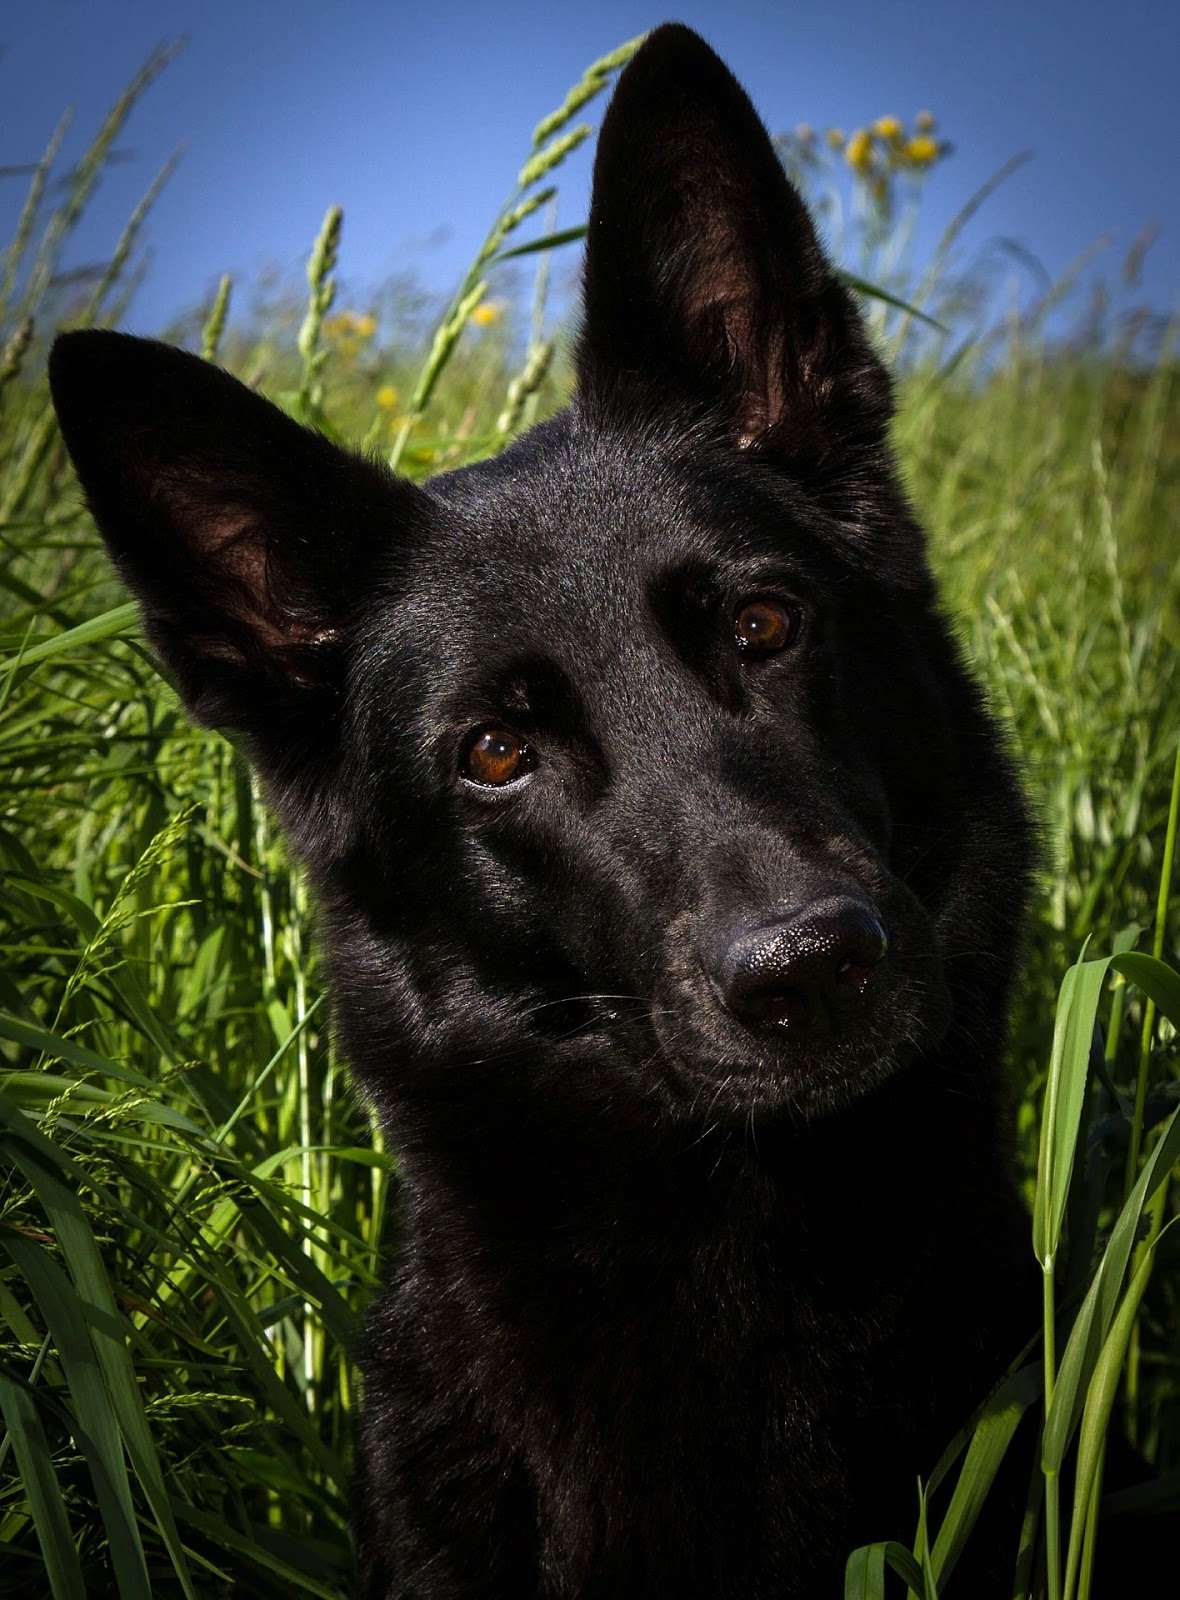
(192, 1202)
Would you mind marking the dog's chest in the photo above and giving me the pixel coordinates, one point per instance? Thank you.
(694, 1439)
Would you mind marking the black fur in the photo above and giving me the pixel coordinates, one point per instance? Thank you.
(708, 1242)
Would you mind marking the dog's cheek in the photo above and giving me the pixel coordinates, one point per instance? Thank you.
(883, 711)
(562, 898)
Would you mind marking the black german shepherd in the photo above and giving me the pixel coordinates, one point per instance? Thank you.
(671, 872)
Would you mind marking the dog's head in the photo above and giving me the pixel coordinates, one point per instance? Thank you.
(638, 758)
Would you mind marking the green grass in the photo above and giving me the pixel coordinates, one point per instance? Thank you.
(193, 1205)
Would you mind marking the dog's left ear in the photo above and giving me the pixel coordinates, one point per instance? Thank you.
(247, 539)
(704, 280)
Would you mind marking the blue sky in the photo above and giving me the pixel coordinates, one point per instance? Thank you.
(416, 118)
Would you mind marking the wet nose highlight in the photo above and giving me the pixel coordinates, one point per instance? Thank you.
(802, 971)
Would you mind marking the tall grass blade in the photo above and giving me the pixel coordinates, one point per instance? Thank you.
(864, 1573)
(989, 1444)
(1096, 1415)
(35, 1463)
(119, 620)
(89, 1320)
(1094, 1319)
(1069, 1067)
(72, 1329)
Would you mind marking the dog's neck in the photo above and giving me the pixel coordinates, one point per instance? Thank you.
(666, 1188)
(656, 1276)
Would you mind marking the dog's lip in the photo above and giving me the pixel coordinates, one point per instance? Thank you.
(780, 1081)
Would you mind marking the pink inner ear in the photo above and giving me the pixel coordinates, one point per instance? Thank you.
(229, 548)
(762, 395)
(726, 299)
(729, 313)
(236, 543)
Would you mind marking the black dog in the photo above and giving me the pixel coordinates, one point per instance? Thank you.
(670, 871)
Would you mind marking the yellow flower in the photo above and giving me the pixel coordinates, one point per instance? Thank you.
(924, 122)
(366, 326)
(835, 138)
(485, 313)
(387, 397)
(887, 127)
(859, 151)
(921, 150)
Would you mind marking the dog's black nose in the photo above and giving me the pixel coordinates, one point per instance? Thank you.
(804, 971)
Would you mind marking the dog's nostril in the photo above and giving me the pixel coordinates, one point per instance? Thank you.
(853, 972)
(771, 1005)
(803, 971)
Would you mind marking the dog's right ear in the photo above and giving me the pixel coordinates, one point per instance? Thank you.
(246, 538)
(705, 283)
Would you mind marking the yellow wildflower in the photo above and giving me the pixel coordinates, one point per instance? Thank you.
(835, 138)
(859, 151)
(485, 313)
(887, 127)
(924, 122)
(366, 326)
(387, 397)
(921, 150)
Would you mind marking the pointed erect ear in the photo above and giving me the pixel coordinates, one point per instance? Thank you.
(704, 281)
(247, 539)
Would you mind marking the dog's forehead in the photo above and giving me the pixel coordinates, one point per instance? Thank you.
(558, 514)
(575, 520)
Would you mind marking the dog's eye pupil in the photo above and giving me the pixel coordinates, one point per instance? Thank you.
(494, 756)
(764, 627)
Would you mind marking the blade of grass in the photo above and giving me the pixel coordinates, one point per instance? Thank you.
(1094, 1319)
(89, 1319)
(72, 1330)
(1096, 1414)
(989, 1444)
(46, 1506)
(864, 1573)
(118, 620)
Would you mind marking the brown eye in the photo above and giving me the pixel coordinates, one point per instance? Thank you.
(763, 627)
(494, 757)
